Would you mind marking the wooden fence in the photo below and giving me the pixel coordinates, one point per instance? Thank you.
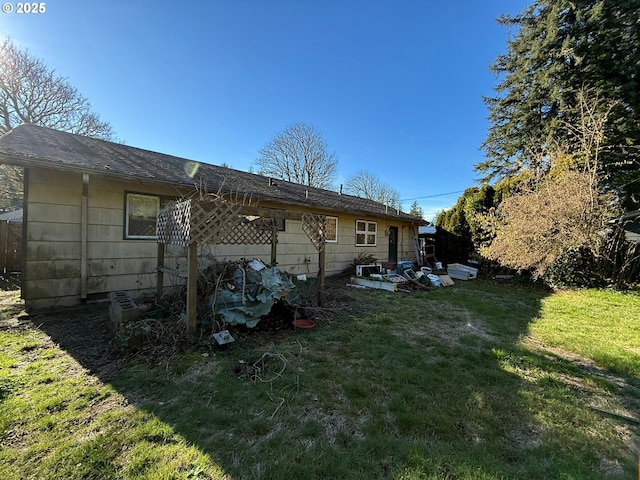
(10, 247)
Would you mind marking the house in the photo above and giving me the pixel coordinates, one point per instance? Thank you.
(631, 221)
(90, 210)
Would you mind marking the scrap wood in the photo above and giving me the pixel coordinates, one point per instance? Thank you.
(419, 284)
(616, 415)
(410, 275)
(395, 278)
(446, 280)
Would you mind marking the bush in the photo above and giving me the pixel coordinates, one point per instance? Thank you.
(575, 268)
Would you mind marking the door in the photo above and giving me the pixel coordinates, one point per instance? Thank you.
(10, 247)
(393, 244)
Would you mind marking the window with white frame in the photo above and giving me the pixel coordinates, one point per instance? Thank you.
(366, 233)
(332, 229)
(141, 216)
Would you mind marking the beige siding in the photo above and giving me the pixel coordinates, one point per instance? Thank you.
(53, 242)
(55, 213)
(54, 239)
(46, 232)
(51, 251)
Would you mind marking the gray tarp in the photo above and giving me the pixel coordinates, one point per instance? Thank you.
(252, 295)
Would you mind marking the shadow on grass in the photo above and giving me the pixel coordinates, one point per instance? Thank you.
(433, 385)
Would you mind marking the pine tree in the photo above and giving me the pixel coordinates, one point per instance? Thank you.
(416, 210)
(561, 48)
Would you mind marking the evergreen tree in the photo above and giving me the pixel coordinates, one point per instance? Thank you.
(465, 220)
(416, 210)
(560, 48)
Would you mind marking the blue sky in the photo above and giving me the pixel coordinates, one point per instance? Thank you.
(395, 87)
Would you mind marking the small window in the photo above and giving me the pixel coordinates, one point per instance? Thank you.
(366, 233)
(332, 229)
(141, 216)
(265, 223)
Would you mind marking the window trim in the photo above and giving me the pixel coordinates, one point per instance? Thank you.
(126, 235)
(366, 232)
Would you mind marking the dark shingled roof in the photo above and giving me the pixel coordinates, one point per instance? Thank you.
(31, 145)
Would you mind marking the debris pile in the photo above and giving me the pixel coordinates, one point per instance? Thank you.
(404, 278)
(251, 292)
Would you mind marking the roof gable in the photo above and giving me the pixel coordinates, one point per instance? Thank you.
(32, 146)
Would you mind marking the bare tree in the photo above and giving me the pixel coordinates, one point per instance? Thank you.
(563, 210)
(367, 185)
(535, 227)
(11, 185)
(299, 154)
(30, 92)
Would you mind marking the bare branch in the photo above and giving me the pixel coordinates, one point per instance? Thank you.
(299, 154)
(367, 185)
(30, 92)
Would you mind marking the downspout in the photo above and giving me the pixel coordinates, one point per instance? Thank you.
(84, 209)
(24, 292)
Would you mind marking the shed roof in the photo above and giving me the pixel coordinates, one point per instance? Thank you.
(34, 146)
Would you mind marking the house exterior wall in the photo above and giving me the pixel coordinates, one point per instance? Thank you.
(53, 242)
(632, 230)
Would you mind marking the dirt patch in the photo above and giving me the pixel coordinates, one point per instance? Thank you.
(459, 324)
(82, 332)
(85, 332)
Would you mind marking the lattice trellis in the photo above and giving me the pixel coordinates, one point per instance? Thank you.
(173, 225)
(215, 221)
(315, 226)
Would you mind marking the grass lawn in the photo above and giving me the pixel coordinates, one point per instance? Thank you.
(477, 381)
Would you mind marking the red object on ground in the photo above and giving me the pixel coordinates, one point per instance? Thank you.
(303, 323)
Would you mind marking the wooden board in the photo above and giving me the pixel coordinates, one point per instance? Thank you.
(446, 280)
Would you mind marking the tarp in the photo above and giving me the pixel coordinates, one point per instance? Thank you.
(252, 294)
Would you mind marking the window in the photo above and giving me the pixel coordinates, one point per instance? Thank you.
(141, 215)
(332, 229)
(366, 233)
(265, 223)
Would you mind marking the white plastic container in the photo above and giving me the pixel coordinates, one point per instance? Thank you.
(461, 272)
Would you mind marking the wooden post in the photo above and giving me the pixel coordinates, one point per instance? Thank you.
(274, 241)
(84, 223)
(160, 270)
(321, 276)
(192, 287)
(24, 289)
